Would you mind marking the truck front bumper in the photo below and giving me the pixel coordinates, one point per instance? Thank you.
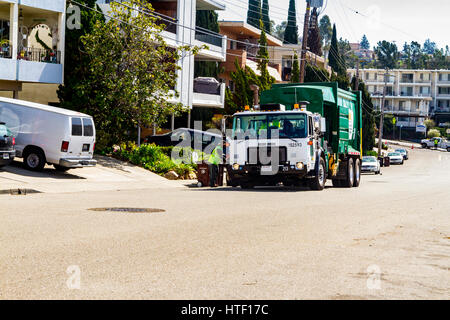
(257, 172)
(77, 163)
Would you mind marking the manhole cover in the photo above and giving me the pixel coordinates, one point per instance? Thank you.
(131, 210)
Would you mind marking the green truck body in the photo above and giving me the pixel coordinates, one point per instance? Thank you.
(341, 109)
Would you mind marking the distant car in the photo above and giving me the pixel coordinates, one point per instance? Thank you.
(441, 143)
(396, 158)
(7, 142)
(174, 138)
(403, 152)
(370, 164)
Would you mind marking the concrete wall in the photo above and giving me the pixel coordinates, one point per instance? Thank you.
(36, 92)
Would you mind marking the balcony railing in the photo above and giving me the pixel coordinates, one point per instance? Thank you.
(169, 24)
(406, 80)
(208, 36)
(40, 55)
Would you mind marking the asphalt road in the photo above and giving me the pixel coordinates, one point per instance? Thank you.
(388, 239)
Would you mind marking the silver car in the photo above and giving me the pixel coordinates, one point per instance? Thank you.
(396, 158)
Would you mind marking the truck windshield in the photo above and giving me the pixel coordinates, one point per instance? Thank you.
(261, 126)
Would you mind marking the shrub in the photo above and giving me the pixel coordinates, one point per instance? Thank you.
(371, 153)
(433, 133)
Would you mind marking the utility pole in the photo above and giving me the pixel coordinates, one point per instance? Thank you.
(305, 41)
(357, 76)
(380, 131)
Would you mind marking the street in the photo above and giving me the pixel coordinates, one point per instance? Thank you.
(388, 239)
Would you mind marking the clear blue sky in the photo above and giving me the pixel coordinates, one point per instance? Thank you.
(392, 20)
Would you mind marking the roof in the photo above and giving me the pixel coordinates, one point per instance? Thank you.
(242, 28)
(209, 5)
(43, 107)
(272, 71)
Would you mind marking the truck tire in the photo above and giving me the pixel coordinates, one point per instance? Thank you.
(318, 182)
(34, 159)
(424, 145)
(448, 149)
(350, 176)
(357, 179)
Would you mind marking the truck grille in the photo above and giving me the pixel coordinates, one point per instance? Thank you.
(269, 153)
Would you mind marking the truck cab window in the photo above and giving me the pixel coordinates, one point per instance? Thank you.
(310, 126)
(77, 129)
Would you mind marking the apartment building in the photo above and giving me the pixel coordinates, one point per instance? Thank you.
(243, 47)
(411, 95)
(31, 69)
(179, 17)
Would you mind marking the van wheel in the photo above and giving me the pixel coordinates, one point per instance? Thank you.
(318, 182)
(34, 160)
(357, 179)
(61, 168)
(350, 177)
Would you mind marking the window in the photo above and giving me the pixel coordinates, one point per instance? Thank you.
(88, 127)
(77, 128)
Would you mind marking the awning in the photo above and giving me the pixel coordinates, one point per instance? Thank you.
(272, 71)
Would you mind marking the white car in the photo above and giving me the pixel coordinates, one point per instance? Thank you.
(396, 158)
(370, 164)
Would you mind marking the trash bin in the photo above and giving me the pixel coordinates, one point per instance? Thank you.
(387, 162)
(203, 175)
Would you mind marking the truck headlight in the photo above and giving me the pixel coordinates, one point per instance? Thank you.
(299, 165)
(235, 166)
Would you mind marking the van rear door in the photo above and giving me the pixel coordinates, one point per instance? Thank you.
(82, 138)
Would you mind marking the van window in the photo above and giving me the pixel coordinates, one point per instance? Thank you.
(88, 127)
(77, 129)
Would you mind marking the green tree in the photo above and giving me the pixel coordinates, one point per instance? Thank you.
(265, 16)
(326, 30)
(254, 13)
(335, 60)
(295, 70)
(387, 54)
(429, 47)
(265, 80)
(368, 116)
(242, 94)
(291, 32)
(314, 40)
(279, 30)
(77, 63)
(131, 71)
(365, 43)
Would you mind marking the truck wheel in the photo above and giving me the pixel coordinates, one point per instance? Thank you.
(424, 145)
(318, 182)
(448, 149)
(357, 179)
(350, 178)
(34, 160)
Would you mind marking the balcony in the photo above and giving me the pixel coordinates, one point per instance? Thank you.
(216, 45)
(208, 93)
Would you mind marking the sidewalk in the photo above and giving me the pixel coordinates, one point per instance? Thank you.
(405, 144)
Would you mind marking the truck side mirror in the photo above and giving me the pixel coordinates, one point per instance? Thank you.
(323, 125)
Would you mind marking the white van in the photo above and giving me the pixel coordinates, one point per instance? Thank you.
(46, 134)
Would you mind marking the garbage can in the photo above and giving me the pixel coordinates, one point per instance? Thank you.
(203, 175)
(387, 162)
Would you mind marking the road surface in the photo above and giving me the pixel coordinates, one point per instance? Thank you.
(388, 239)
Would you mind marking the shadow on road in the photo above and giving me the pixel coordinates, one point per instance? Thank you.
(256, 189)
(16, 167)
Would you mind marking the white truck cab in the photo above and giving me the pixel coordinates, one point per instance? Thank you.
(268, 147)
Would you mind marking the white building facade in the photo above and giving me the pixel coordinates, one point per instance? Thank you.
(179, 17)
(24, 59)
(411, 95)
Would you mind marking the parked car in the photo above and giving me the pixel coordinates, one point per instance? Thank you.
(396, 158)
(430, 143)
(403, 152)
(44, 134)
(7, 142)
(197, 138)
(370, 164)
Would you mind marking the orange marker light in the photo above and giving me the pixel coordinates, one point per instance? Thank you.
(247, 108)
(296, 106)
(310, 143)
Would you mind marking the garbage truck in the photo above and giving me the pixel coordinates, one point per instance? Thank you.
(299, 134)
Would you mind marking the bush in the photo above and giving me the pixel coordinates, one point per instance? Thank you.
(433, 133)
(370, 153)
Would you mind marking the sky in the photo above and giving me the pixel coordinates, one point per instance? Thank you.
(392, 20)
